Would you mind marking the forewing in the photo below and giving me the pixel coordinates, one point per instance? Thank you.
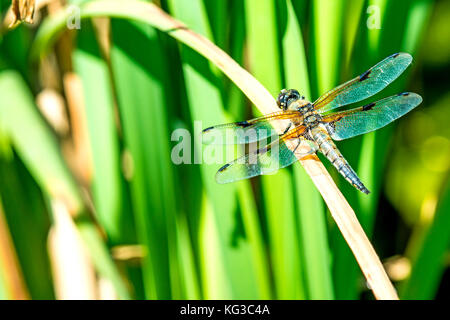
(371, 117)
(252, 130)
(266, 160)
(367, 84)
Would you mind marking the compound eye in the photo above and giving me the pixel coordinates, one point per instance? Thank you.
(281, 98)
(286, 97)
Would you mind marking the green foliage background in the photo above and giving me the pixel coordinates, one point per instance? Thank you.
(266, 238)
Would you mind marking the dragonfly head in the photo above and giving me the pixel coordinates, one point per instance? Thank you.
(286, 97)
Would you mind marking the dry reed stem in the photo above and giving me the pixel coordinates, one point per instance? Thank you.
(340, 210)
(73, 272)
(9, 263)
(82, 163)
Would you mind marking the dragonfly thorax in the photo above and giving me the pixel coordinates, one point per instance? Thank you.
(303, 106)
(311, 119)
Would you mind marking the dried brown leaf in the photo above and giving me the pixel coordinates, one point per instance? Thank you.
(23, 10)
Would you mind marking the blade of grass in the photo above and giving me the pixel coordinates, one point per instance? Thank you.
(217, 11)
(312, 219)
(220, 199)
(253, 231)
(211, 259)
(234, 100)
(264, 57)
(188, 199)
(345, 270)
(374, 147)
(146, 137)
(25, 259)
(373, 45)
(23, 124)
(428, 266)
(354, 12)
(374, 33)
(205, 103)
(28, 222)
(99, 110)
(327, 44)
(381, 22)
(417, 20)
(187, 263)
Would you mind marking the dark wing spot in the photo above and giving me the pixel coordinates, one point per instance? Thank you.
(404, 94)
(207, 129)
(395, 55)
(365, 75)
(243, 124)
(224, 167)
(368, 106)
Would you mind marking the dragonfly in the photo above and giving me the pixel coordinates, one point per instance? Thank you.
(305, 128)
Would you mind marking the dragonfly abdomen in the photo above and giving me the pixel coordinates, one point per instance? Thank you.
(349, 174)
(329, 149)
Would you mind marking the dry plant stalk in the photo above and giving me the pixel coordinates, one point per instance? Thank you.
(9, 263)
(72, 269)
(79, 157)
(340, 210)
(78, 153)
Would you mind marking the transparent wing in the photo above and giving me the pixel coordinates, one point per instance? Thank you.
(373, 116)
(250, 131)
(266, 160)
(367, 84)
